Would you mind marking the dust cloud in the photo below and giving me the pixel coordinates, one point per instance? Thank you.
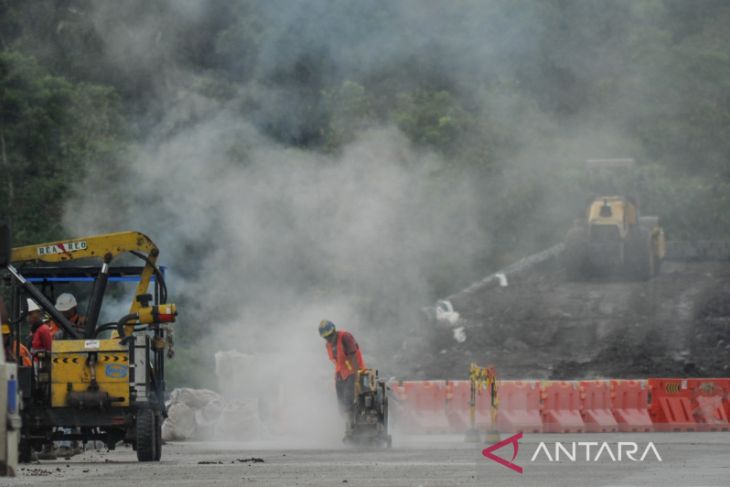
(263, 240)
(258, 252)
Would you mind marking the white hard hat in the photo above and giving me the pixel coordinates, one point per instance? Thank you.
(33, 306)
(65, 302)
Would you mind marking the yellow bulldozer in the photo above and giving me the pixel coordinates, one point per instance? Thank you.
(614, 239)
(103, 381)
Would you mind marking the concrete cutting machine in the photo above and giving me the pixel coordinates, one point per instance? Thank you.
(369, 422)
(106, 381)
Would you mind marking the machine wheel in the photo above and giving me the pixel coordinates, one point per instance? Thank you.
(575, 255)
(25, 452)
(146, 436)
(158, 437)
(641, 260)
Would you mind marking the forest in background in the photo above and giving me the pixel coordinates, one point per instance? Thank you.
(512, 96)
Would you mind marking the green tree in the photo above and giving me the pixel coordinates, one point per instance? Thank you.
(435, 119)
(50, 130)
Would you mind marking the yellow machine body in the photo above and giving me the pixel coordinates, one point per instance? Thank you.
(613, 211)
(70, 370)
(614, 238)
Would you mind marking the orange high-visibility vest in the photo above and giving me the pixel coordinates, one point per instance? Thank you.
(76, 320)
(343, 367)
(54, 328)
(25, 359)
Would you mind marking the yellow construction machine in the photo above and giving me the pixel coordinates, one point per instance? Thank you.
(613, 239)
(104, 382)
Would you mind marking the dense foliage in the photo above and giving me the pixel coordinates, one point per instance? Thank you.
(655, 71)
(513, 94)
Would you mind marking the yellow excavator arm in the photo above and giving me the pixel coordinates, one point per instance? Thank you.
(103, 247)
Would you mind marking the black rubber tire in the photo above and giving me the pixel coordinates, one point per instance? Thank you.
(25, 452)
(146, 436)
(641, 261)
(158, 437)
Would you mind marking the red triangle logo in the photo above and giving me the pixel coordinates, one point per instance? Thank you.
(514, 440)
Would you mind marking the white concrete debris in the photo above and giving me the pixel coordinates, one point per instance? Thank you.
(445, 312)
(502, 278)
(194, 398)
(202, 414)
(460, 334)
(180, 423)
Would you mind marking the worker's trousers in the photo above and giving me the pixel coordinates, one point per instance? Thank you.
(345, 394)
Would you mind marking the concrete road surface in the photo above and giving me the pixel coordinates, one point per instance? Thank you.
(687, 459)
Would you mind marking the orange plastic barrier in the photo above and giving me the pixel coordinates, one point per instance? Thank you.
(671, 405)
(561, 408)
(567, 407)
(398, 390)
(596, 406)
(457, 405)
(519, 407)
(710, 414)
(630, 405)
(709, 396)
(725, 383)
(458, 394)
(425, 402)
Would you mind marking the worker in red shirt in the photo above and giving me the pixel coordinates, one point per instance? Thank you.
(345, 354)
(42, 340)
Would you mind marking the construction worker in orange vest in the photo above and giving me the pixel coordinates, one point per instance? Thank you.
(345, 354)
(9, 344)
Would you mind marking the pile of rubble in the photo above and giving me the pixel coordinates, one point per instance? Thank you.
(201, 414)
(533, 323)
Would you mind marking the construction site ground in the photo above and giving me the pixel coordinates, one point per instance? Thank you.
(542, 326)
(688, 459)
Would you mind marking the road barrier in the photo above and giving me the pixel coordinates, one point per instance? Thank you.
(711, 403)
(426, 403)
(519, 407)
(711, 414)
(656, 404)
(457, 407)
(671, 405)
(595, 407)
(561, 408)
(458, 395)
(630, 405)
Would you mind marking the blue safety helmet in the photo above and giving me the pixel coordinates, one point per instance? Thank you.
(326, 328)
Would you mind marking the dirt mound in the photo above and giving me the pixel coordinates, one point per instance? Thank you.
(542, 326)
